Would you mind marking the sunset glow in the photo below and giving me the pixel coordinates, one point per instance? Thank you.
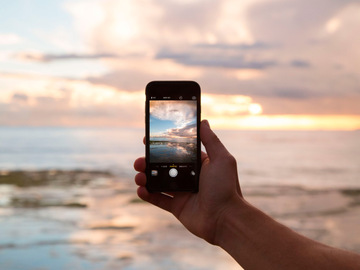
(90, 69)
(288, 122)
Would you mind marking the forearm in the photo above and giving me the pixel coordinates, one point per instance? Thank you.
(256, 241)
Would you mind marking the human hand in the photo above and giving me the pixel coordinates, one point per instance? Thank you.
(201, 213)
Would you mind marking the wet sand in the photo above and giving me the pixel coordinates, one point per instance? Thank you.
(94, 220)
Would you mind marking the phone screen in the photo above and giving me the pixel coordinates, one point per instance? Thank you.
(172, 137)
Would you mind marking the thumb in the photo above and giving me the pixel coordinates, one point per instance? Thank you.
(213, 145)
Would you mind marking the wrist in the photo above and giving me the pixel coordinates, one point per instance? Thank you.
(229, 214)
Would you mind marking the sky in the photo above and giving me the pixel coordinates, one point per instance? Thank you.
(173, 119)
(261, 64)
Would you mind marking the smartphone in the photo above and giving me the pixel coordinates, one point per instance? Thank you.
(173, 150)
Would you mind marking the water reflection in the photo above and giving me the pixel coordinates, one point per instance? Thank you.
(177, 152)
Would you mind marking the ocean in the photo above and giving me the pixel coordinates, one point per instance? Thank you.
(314, 159)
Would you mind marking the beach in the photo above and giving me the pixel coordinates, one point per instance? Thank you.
(56, 219)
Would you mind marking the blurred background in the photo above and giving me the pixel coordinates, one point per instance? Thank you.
(280, 85)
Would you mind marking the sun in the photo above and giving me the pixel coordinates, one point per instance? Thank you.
(255, 109)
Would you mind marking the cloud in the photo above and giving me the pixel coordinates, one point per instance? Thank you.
(40, 57)
(181, 113)
(189, 131)
(239, 46)
(123, 79)
(290, 56)
(183, 15)
(285, 83)
(224, 58)
(9, 39)
(226, 105)
(287, 41)
(19, 97)
(293, 93)
(291, 21)
(144, 26)
(300, 63)
(311, 106)
(281, 37)
(51, 101)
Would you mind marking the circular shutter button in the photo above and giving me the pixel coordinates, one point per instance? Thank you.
(173, 172)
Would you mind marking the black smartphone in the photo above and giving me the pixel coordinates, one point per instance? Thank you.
(173, 150)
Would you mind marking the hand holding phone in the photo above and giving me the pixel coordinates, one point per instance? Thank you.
(173, 153)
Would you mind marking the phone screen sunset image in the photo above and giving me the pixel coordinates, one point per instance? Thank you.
(173, 130)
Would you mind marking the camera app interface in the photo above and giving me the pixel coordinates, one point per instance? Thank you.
(173, 138)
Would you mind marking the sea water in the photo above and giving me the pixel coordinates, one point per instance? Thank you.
(43, 148)
(316, 159)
